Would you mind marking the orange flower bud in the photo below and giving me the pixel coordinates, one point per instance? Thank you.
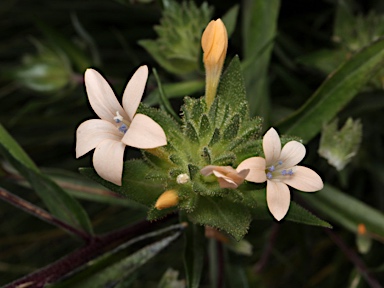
(168, 199)
(214, 43)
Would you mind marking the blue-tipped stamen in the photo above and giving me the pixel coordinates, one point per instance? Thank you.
(269, 175)
(280, 162)
(123, 128)
(272, 168)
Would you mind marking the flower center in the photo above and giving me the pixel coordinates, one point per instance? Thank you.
(276, 171)
(123, 124)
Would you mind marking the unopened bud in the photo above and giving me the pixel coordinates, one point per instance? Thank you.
(214, 43)
(168, 199)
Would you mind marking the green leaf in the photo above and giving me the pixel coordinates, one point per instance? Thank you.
(296, 213)
(346, 210)
(110, 269)
(334, 93)
(222, 214)
(59, 203)
(194, 252)
(259, 30)
(136, 183)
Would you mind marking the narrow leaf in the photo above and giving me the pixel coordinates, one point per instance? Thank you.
(346, 210)
(259, 30)
(334, 93)
(59, 203)
(194, 252)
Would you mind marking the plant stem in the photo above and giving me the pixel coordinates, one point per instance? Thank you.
(68, 263)
(42, 214)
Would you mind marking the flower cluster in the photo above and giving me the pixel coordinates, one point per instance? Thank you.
(208, 165)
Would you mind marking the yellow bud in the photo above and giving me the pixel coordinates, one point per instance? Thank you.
(168, 199)
(214, 43)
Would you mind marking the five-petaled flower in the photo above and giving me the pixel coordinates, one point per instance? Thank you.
(226, 175)
(279, 169)
(118, 126)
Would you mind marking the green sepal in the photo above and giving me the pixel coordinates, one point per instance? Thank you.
(193, 171)
(191, 133)
(224, 159)
(215, 137)
(232, 128)
(205, 126)
(222, 214)
(231, 90)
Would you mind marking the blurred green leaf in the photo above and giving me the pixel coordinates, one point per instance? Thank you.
(346, 210)
(230, 19)
(79, 58)
(175, 90)
(339, 88)
(259, 29)
(59, 203)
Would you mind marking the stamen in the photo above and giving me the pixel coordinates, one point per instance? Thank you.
(272, 168)
(290, 172)
(269, 175)
(284, 172)
(123, 128)
(118, 118)
(280, 162)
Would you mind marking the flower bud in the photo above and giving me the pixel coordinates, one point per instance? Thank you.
(168, 199)
(340, 146)
(214, 43)
(47, 71)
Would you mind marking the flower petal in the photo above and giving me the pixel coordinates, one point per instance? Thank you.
(144, 133)
(134, 91)
(101, 96)
(91, 132)
(291, 154)
(304, 179)
(278, 199)
(256, 166)
(271, 146)
(108, 160)
(225, 181)
(207, 170)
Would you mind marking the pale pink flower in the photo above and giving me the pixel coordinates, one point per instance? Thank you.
(226, 175)
(118, 126)
(279, 169)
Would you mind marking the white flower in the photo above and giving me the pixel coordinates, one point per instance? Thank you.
(279, 169)
(226, 175)
(117, 126)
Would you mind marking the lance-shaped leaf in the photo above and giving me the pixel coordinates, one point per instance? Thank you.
(340, 88)
(110, 270)
(58, 202)
(194, 252)
(347, 210)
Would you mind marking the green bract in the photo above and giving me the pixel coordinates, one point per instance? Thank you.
(222, 135)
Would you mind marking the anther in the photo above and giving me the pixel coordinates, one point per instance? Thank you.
(123, 128)
(269, 175)
(272, 168)
(118, 118)
(280, 162)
